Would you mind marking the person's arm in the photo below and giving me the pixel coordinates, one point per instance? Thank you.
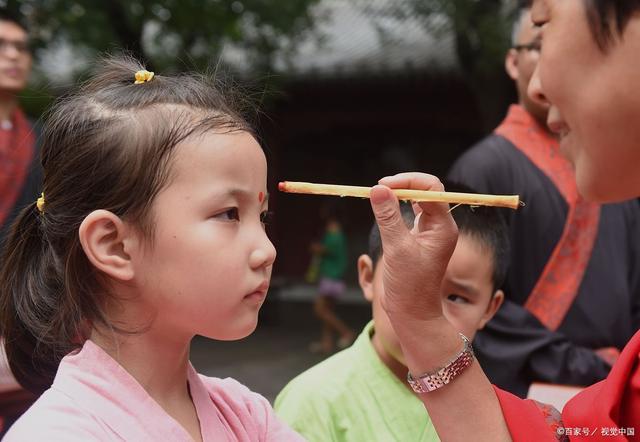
(633, 218)
(414, 265)
(514, 346)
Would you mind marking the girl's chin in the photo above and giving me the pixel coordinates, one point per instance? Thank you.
(236, 334)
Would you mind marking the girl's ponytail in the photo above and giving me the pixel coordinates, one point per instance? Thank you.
(30, 287)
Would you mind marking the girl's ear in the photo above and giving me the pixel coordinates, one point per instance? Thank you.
(365, 276)
(107, 242)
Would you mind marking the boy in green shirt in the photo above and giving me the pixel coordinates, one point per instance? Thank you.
(361, 393)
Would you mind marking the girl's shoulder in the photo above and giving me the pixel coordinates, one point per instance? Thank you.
(236, 403)
(57, 417)
(230, 391)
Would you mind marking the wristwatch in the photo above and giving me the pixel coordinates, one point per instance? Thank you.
(438, 379)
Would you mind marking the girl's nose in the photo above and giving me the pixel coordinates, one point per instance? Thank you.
(264, 255)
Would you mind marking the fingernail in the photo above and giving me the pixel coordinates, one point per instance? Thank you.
(416, 220)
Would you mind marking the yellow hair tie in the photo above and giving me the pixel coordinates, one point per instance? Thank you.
(40, 203)
(143, 76)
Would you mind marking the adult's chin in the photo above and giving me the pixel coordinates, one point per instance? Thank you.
(12, 86)
(590, 189)
(599, 186)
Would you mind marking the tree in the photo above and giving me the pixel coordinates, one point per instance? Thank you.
(481, 30)
(171, 35)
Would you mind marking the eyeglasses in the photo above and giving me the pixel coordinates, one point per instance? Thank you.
(535, 45)
(20, 46)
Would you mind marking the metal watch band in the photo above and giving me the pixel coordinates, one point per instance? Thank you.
(438, 379)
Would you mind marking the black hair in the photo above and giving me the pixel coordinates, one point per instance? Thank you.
(609, 17)
(484, 224)
(13, 17)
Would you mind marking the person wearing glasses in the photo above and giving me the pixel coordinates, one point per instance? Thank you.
(572, 291)
(20, 174)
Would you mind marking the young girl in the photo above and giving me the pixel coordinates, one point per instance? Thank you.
(149, 231)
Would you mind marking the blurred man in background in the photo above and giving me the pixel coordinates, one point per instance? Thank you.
(20, 174)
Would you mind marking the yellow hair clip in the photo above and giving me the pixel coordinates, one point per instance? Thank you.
(143, 76)
(40, 203)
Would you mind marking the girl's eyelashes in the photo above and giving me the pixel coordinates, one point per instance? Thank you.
(231, 214)
(457, 299)
(266, 217)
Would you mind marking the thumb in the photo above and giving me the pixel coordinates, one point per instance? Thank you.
(386, 209)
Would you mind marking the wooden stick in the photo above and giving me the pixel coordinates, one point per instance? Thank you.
(472, 199)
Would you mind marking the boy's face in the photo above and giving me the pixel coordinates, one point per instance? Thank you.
(467, 290)
(468, 299)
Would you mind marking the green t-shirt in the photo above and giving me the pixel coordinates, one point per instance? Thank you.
(334, 258)
(353, 396)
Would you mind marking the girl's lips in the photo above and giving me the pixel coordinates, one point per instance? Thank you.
(256, 296)
(260, 292)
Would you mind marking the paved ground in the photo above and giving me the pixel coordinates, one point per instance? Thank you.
(278, 350)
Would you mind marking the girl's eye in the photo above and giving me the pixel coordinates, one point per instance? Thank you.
(457, 299)
(231, 214)
(266, 217)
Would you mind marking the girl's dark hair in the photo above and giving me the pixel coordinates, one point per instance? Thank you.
(107, 146)
(608, 18)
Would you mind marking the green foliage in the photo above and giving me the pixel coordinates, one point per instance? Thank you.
(481, 29)
(170, 35)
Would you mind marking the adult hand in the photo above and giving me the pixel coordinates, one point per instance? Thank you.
(414, 260)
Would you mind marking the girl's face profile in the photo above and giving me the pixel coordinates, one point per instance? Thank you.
(208, 269)
(595, 101)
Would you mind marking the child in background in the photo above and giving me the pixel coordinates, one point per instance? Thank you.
(362, 392)
(332, 254)
(149, 231)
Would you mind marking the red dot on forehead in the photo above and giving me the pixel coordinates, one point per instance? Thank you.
(260, 196)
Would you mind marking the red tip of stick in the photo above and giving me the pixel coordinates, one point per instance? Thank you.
(282, 186)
